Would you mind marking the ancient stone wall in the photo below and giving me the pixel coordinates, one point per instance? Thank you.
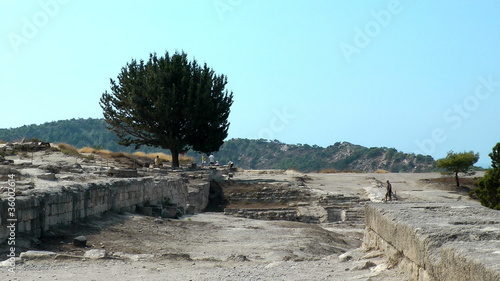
(437, 241)
(41, 211)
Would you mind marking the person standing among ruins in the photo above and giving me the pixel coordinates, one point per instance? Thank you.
(157, 161)
(211, 159)
(388, 194)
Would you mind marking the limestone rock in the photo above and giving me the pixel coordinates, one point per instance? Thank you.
(345, 257)
(239, 258)
(35, 255)
(47, 176)
(50, 168)
(96, 254)
(132, 257)
(80, 241)
(190, 209)
(364, 265)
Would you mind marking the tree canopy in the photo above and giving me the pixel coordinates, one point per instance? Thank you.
(455, 163)
(168, 102)
(489, 186)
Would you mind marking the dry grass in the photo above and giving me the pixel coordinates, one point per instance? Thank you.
(164, 157)
(381, 171)
(87, 150)
(183, 160)
(103, 152)
(69, 150)
(329, 171)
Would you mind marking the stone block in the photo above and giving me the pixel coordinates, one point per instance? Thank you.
(444, 241)
(169, 212)
(147, 211)
(95, 254)
(80, 241)
(36, 255)
(47, 176)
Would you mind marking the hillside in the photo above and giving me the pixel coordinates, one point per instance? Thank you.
(77, 132)
(246, 153)
(341, 156)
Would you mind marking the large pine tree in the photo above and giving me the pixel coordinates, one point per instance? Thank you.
(169, 102)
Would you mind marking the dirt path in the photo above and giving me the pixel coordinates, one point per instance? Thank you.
(209, 246)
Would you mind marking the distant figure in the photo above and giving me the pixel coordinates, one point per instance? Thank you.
(157, 161)
(203, 160)
(230, 164)
(211, 159)
(388, 194)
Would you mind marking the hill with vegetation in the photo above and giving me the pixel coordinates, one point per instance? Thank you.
(76, 132)
(245, 153)
(341, 156)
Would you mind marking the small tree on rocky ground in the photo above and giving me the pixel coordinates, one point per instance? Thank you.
(488, 191)
(458, 163)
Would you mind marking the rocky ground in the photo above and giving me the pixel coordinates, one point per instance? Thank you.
(214, 246)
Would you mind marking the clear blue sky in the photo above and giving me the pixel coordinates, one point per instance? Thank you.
(420, 76)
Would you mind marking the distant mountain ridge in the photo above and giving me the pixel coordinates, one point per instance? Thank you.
(341, 156)
(246, 153)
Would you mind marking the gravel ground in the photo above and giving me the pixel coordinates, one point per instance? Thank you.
(209, 246)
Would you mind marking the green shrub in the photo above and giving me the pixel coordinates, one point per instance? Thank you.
(488, 191)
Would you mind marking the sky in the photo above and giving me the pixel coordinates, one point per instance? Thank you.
(420, 76)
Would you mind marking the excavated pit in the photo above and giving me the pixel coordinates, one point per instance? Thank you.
(286, 200)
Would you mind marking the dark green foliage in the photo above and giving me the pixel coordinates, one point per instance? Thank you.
(489, 186)
(455, 163)
(76, 132)
(168, 102)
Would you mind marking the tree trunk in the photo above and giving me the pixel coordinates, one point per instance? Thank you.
(175, 158)
(456, 178)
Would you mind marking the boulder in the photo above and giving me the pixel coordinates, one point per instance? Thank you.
(36, 255)
(96, 254)
(80, 241)
(190, 209)
(11, 262)
(47, 176)
(170, 212)
(50, 168)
